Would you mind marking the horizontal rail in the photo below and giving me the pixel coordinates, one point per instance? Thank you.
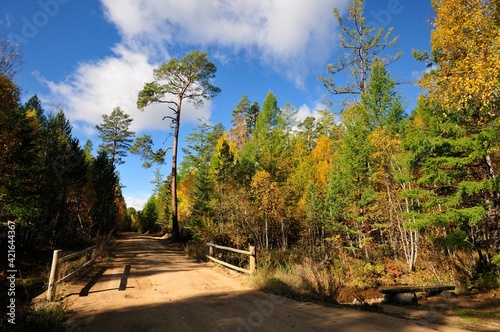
(246, 252)
(76, 254)
(237, 268)
(250, 253)
(54, 271)
(75, 271)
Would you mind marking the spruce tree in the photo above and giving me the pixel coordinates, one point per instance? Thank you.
(454, 141)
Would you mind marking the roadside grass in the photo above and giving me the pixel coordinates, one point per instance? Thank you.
(336, 279)
(46, 318)
(355, 283)
(306, 281)
(476, 319)
(196, 250)
(326, 278)
(466, 313)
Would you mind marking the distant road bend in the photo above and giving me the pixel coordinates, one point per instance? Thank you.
(153, 287)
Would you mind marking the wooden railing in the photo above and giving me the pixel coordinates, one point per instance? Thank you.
(54, 277)
(250, 252)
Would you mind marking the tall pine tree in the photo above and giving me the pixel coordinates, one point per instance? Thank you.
(115, 135)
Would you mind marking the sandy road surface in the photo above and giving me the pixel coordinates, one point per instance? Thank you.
(153, 287)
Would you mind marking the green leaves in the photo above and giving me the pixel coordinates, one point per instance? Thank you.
(384, 105)
(143, 146)
(176, 81)
(455, 240)
(150, 94)
(115, 135)
(57, 192)
(186, 78)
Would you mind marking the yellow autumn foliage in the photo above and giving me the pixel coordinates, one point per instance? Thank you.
(233, 148)
(185, 206)
(322, 161)
(466, 49)
(384, 149)
(32, 118)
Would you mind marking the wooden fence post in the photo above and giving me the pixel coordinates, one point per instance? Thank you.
(252, 259)
(54, 271)
(211, 251)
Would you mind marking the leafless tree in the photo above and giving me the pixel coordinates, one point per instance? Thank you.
(11, 59)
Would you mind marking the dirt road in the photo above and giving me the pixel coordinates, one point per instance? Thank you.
(153, 287)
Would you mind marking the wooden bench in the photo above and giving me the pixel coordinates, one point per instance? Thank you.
(396, 294)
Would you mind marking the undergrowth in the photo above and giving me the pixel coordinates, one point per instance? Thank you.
(329, 279)
(47, 318)
(32, 282)
(341, 278)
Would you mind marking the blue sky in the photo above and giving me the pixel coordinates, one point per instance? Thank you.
(93, 55)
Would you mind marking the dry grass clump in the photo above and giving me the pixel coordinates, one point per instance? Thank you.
(306, 280)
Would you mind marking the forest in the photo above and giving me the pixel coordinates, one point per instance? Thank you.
(392, 191)
(371, 190)
(58, 193)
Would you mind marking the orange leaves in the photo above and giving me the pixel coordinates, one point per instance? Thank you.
(312, 168)
(418, 121)
(268, 194)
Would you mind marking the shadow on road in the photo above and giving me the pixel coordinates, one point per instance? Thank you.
(150, 286)
(123, 280)
(85, 290)
(242, 311)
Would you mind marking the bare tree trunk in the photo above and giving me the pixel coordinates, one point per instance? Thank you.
(267, 233)
(175, 217)
(283, 235)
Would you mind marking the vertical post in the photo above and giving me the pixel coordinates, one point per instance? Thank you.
(210, 250)
(53, 275)
(252, 259)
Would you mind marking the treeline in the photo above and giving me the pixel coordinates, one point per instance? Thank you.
(374, 181)
(58, 193)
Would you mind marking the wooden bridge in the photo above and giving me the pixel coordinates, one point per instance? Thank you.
(151, 285)
(395, 294)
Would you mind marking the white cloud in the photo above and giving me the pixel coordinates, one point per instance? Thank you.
(89, 131)
(98, 87)
(305, 111)
(288, 35)
(418, 74)
(136, 202)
